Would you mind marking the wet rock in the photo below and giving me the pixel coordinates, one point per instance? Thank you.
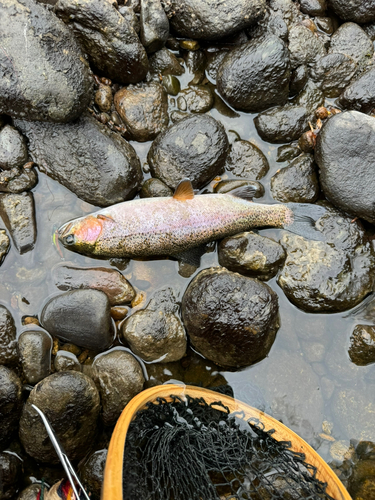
(119, 377)
(298, 79)
(10, 404)
(10, 474)
(230, 319)
(213, 65)
(202, 19)
(103, 98)
(287, 123)
(171, 85)
(71, 403)
(304, 46)
(369, 29)
(251, 255)
(13, 150)
(360, 95)
(199, 98)
(4, 244)
(66, 361)
(30, 493)
(351, 409)
(35, 347)
(228, 185)
(156, 332)
(116, 50)
(194, 147)
(39, 48)
(8, 342)
(128, 13)
(334, 72)
(17, 180)
(271, 23)
(195, 61)
(350, 39)
(313, 7)
(246, 160)
(344, 156)
(143, 110)
(354, 10)
(18, 214)
(362, 480)
(325, 24)
(332, 275)
(287, 152)
(164, 62)
(255, 75)
(111, 282)
(362, 345)
(91, 472)
(154, 25)
(298, 182)
(98, 165)
(81, 317)
(154, 188)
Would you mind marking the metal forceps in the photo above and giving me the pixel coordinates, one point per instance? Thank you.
(70, 472)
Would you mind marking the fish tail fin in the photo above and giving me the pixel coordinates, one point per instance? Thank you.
(303, 218)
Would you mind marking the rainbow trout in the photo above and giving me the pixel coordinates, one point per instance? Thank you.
(171, 226)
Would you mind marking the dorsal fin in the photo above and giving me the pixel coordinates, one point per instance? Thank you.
(244, 192)
(105, 217)
(184, 191)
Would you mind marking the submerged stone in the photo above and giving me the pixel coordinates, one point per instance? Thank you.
(362, 345)
(98, 165)
(18, 214)
(43, 72)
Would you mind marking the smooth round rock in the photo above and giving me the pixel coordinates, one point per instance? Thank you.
(199, 98)
(8, 342)
(195, 147)
(283, 123)
(331, 275)
(111, 282)
(354, 10)
(298, 182)
(103, 98)
(345, 156)
(119, 377)
(10, 475)
(205, 19)
(98, 165)
(335, 72)
(70, 401)
(91, 472)
(10, 404)
(251, 255)
(154, 25)
(82, 317)
(143, 110)
(246, 160)
(155, 335)
(362, 345)
(43, 72)
(255, 75)
(352, 40)
(13, 150)
(35, 347)
(313, 7)
(230, 319)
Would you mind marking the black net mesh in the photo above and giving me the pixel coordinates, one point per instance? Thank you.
(189, 450)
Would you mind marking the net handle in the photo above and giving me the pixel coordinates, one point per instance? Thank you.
(112, 488)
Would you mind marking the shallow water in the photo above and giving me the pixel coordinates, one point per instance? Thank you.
(307, 362)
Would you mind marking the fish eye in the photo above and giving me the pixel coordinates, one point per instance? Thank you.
(69, 240)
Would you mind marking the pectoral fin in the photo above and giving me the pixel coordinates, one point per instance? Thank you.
(191, 256)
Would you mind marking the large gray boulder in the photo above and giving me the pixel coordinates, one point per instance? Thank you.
(43, 72)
